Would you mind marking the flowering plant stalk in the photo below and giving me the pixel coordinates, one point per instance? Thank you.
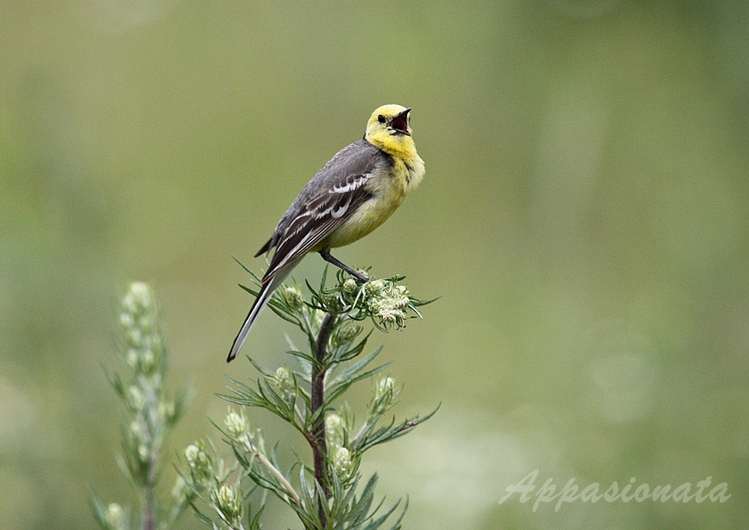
(148, 416)
(329, 493)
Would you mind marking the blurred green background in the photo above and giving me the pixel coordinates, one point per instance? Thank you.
(583, 218)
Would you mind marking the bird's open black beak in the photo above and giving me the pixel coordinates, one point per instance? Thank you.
(400, 123)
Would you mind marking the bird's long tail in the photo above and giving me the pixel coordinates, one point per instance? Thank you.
(257, 307)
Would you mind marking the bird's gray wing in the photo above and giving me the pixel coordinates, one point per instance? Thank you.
(330, 198)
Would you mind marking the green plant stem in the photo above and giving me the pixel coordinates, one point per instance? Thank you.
(289, 488)
(317, 397)
(149, 517)
(149, 506)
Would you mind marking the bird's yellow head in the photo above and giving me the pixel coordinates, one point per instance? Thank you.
(389, 128)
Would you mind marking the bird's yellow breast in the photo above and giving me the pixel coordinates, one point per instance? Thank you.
(389, 188)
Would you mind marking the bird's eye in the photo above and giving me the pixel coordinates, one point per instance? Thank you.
(381, 118)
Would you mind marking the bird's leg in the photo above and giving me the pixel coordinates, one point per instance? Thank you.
(325, 253)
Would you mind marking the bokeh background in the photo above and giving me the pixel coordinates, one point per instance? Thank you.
(583, 218)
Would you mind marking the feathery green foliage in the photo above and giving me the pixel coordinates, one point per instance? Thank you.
(148, 416)
(329, 494)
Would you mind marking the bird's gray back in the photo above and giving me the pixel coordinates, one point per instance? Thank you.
(356, 159)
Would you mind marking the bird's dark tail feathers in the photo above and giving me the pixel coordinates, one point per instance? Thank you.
(260, 302)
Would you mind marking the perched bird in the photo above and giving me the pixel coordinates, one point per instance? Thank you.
(353, 194)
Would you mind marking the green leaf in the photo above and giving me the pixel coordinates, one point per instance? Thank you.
(351, 370)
